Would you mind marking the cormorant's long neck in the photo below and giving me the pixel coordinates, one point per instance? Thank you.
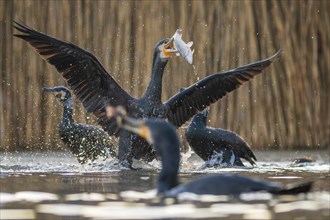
(170, 157)
(154, 91)
(67, 118)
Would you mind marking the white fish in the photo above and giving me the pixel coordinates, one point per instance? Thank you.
(183, 48)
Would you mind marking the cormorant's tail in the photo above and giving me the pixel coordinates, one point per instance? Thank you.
(251, 161)
(295, 189)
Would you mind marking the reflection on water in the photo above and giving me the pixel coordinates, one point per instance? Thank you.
(53, 185)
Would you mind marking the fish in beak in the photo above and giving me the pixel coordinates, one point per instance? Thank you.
(184, 49)
(178, 46)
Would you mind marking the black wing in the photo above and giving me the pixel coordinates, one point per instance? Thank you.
(240, 147)
(185, 104)
(90, 82)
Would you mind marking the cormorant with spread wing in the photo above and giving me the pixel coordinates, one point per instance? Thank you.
(95, 87)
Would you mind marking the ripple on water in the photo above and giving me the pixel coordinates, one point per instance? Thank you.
(64, 162)
(29, 196)
(135, 205)
(129, 210)
(98, 190)
(17, 214)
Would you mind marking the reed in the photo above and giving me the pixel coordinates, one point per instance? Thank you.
(284, 108)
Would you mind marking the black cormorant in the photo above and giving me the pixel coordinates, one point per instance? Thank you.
(163, 137)
(217, 146)
(299, 162)
(86, 142)
(96, 88)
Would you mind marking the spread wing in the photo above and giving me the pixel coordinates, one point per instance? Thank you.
(221, 137)
(240, 147)
(85, 75)
(185, 104)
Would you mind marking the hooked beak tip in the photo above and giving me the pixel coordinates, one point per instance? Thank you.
(110, 111)
(48, 90)
(116, 112)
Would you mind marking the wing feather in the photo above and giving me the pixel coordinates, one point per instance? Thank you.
(90, 82)
(185, 104)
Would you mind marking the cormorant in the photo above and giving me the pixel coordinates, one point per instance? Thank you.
(163, 137)
(96, 88)
(299, 162)
(86, 142)
(216, 146)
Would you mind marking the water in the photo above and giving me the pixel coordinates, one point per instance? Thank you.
(53, 185)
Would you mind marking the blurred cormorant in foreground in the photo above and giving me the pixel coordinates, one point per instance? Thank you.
(163, 137)
(86, 142)
(96, 88)
(216, 146)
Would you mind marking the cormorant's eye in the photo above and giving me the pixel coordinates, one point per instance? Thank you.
(167, 45)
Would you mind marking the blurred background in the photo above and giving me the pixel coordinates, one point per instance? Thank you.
(287, 107)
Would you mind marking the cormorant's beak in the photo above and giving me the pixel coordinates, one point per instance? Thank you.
(169, 48)
(206, 111)
(52, 91)
(136, 126)
(48, 90)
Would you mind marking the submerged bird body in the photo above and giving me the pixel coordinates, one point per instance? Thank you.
(234, 185)
(217, 146)
(86, 142)
(163, 137)
(96, 88)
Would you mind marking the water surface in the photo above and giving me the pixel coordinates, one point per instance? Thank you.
(53, 185)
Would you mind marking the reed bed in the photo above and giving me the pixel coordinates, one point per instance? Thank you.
(284, 108)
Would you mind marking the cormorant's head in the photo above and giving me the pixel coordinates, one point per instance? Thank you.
(205, 112)
(136, 126)
(201, 117)
(60, 92)
(162, 136)
(165, 49)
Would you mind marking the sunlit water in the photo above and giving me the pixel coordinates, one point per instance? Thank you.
(53, 185)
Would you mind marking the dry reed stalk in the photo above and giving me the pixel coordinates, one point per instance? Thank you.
(286, 107)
